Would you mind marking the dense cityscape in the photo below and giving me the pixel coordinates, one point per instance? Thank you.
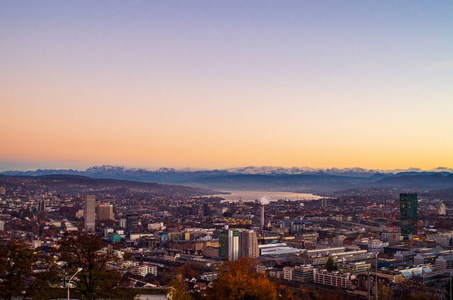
(226, 150)
(177, 241)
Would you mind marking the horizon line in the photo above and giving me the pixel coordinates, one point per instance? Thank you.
(303, 169)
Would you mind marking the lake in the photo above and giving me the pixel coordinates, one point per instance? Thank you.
(273, 196)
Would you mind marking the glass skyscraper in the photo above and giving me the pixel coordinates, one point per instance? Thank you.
(408, 213)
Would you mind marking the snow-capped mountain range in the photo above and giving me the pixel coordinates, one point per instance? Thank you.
(252, 170)
(269, 177)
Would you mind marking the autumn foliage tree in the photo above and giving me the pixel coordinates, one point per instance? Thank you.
(178, 289)
(97, 278)
(239, 280)
(186, 271)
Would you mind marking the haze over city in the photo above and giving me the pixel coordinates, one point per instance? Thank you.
(226, 84)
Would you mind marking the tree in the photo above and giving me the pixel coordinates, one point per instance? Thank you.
(186, 271)
(239, 280)
(285, 293)
(17, 279)
(97, 278)
(330, 264)
(178, 289)
(332, 295)
(16, 261)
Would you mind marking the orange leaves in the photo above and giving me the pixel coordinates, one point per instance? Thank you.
(239, 280)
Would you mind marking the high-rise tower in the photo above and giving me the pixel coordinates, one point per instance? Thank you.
(89, 213)
(229, 244)
(223, 243)
(248, 244)
(408, 212)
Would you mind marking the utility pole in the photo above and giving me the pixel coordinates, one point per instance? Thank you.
(449, 273)
(69, 282)
(368, 284)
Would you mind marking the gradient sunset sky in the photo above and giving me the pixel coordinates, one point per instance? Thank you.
(215, 84)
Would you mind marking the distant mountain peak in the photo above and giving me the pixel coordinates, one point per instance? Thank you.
(105, 168)
(166, 170)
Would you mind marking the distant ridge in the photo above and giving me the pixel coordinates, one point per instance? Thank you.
(302, 179)
(264, 170)
(84, 184)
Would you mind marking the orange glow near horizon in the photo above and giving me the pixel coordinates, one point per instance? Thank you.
(151, 85)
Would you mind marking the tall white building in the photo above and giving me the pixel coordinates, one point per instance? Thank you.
(238, 243)
(89, 214)
(233, 245)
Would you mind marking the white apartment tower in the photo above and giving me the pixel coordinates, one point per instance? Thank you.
(233, 245)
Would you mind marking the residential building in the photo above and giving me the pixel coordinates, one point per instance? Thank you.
(288, 273)
(303, 273)
(144, 270)
(353, 267)
(105, 212)
(335, 279)
(248, 244)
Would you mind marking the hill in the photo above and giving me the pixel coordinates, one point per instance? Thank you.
(76, 184)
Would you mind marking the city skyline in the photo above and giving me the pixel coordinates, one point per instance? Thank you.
(216, 85)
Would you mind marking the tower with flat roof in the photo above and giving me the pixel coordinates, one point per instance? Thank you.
(132, 223)
(89, 213)
(229, 244)
(408, 213)
(248, 244)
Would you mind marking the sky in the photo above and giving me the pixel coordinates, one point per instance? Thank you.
(218, 84)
